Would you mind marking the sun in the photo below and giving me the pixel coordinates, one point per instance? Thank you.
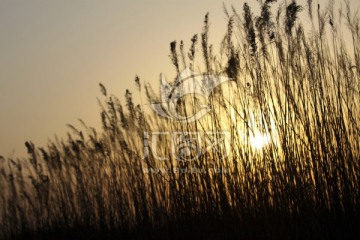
(258, 140)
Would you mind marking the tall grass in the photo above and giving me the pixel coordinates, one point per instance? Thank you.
(297, 88)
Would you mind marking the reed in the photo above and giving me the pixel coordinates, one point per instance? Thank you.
(290, 166)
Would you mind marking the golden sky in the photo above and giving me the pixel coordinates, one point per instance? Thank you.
(54, 53)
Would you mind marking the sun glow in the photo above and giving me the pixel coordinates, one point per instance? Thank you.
(258, 141)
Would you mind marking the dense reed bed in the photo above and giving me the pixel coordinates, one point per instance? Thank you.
(287, 167)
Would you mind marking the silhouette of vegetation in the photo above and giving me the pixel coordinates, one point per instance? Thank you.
(300, 89)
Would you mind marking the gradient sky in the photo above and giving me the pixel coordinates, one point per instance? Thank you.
(54, 53)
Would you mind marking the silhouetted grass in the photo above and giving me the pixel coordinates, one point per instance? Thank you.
(300, 89)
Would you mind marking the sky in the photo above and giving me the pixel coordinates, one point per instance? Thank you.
(53, 54)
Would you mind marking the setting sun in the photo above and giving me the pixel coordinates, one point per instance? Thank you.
(258, 141)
